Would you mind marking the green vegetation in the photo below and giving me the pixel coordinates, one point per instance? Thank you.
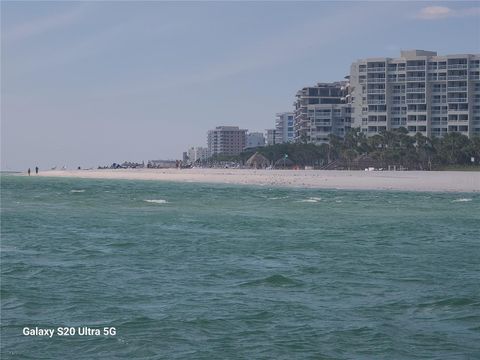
(388, 148)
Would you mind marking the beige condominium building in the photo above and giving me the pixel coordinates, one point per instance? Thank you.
(420, 90)
(226, 140)
(322, 110)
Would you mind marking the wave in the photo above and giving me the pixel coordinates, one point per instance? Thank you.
(462, 200)
(273, 280)
(77, 191)
(311, 200)
(156, 201)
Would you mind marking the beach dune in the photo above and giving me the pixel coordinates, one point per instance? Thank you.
(441, 181)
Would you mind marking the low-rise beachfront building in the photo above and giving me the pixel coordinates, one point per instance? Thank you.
(197, 154)
(161, 164)
(419, 90)
(271, 135)
(254, 140)
(322, 110)
(226, 140)
(284, 130)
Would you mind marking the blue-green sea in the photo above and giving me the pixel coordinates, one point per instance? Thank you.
(201, 271)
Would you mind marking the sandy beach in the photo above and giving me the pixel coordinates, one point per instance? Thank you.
(435, 181)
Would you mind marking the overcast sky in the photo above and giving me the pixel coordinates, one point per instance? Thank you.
(91, 83)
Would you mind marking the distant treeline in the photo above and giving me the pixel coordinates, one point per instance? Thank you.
(388, 148)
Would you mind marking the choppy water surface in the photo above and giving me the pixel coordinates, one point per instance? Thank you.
(214, 272)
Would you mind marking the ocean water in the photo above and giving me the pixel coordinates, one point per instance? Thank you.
(198, 271)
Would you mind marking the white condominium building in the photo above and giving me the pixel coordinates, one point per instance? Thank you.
(226, 140)
(271, 136)
(421, 91)
(320, 111)
(284, 130)
(197, 154)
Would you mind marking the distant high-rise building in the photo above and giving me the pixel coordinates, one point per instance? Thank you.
(226, 140)
(421, 91)
(197, 154)
(270, 137)
(255, 139)
(322, 110)
(284, 131)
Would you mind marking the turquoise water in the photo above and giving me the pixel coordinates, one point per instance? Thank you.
(195, 271)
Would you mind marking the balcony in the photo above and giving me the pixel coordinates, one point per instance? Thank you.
(398, 102)
(416, 67)
(415, 101)
(376, 80)
(457, 110)
(376, 70)
(416, 78)
(402, 79)
(376, 102)
(457, 66)
(457, 77)
(457, 89)
(416, 90)
(457, 100)
(474, 77)
(376, 91)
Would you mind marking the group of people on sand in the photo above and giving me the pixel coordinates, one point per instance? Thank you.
(36, 170)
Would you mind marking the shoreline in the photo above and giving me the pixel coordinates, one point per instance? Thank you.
(422, 181)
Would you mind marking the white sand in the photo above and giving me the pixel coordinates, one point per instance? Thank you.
(448, 181)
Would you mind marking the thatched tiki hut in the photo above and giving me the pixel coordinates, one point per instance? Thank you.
(257, 161)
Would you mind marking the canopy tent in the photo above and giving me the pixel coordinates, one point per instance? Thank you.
(284, 163)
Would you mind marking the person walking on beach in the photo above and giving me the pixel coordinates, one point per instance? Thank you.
(36, 170)
(28, 171)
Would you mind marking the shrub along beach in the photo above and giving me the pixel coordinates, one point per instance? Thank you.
(389, 148)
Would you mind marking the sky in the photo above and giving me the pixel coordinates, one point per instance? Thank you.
(92, 83)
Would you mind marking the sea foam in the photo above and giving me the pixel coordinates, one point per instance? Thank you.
(158, 201)
(311, 200)
(462, 200)
(77, 191)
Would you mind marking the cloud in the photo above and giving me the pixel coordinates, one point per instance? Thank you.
(443, 12)
(285, 46)
(44, 24)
